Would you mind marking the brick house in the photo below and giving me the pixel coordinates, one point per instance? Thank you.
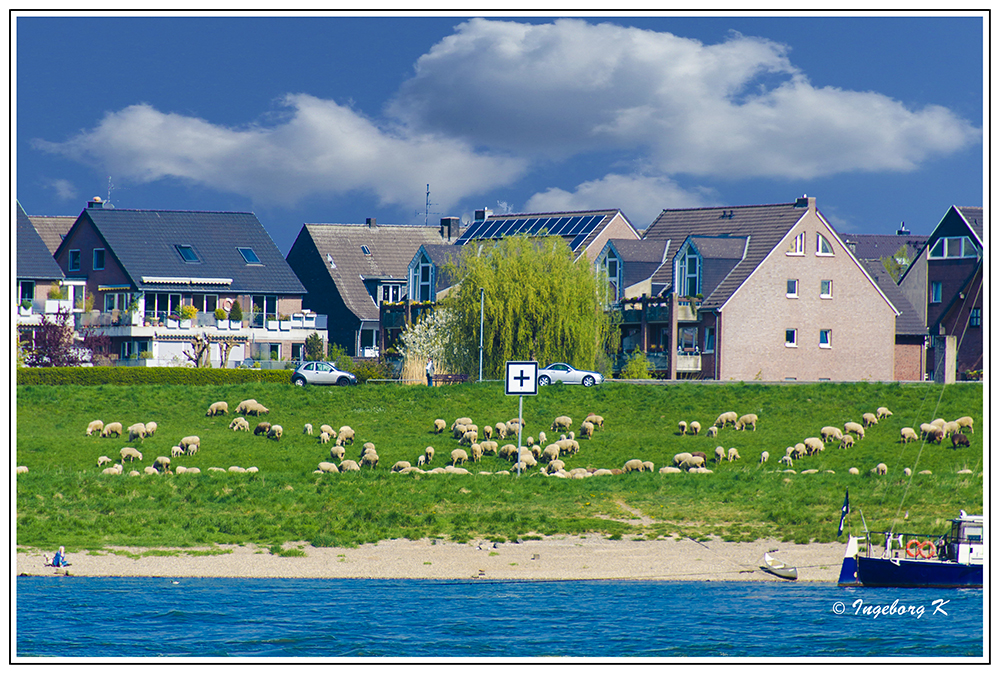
(139, 268)
(36, 274)
(945, 285)
(769, 293)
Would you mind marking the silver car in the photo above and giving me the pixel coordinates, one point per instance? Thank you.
(567, 374)
(318, 373)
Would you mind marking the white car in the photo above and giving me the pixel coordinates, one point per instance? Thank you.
(318, 373)
(567, 374)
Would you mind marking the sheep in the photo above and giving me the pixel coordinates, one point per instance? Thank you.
(113, 470)
(308, 429)
(400, 466)
(936, 435)
(324, 438)
(130, 454)
(95, 426)
(853, 471)
(828, 433)
(907, 472)
(216, 469)
(633, 466)
(513, 428)
(236, 469)
(586, 429)
(150, 429)
(856, 428)
(726, 418)
(150, 470)
(176, 451)
(527, 460)
(349, 465)
(367, 447)
(786, 461)
(421, 460)
(239, 424)
(764, 456)
(101, 460)
(439, 425)
(883, 413)
(114, 428)
(925, 472)
(555, 466)
(190, 444)
(813, 445)
(681, 458)
(695, 428)
(370, 459)
(847, 442)
(550, 454)
(720, 454)
(325, 428)
(562, 423)
(469, 438)
(345, 436)
(666, 470)
(501, 429)
(489, 446)
(939, 423)
(682, 427)
(965, 471)
(21, 470)
(927, 429)
(217, 408)
(963, 423)
(648, 467)
(746, 420)
(488, 432)
(461, 421)
(257, 409)
(262, 428)
(275, 432)
(458, 456)
(429, 454)
(693, 462)
(162, 463)
(712, 432)
(337, 452)
(245, 405)
(880, 469)
(477, 452)
(959, 440)
(950, 428)
(906, 434)
(136, 432)
(458, 430)
(595, 419)
(732, 454)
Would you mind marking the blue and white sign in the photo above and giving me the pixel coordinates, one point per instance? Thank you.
(522, 378)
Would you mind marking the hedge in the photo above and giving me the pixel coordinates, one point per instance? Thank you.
(126, 376)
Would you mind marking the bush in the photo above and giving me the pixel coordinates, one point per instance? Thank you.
(141, 376)
(220, 314)
(371, 369)
(236, 312)
(189, 312)
(637, 367)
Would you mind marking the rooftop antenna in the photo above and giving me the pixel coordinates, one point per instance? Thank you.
(427, 206)
(111, 186)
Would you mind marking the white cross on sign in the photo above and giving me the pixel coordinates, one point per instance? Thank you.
(522, 378)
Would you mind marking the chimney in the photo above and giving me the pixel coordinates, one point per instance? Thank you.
(902, 231)
(450, 228)
(483, 214)
(96, 202)
(370, 222)
(806, 202)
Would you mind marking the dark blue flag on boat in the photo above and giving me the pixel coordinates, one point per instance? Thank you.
(844, 509)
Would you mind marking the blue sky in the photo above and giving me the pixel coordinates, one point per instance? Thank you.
(336, 119)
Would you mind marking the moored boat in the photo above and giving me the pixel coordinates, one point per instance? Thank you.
(779, 568)
(952, 559)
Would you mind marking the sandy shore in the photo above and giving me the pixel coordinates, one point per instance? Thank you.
(554, 558)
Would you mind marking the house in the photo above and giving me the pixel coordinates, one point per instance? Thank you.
(945, 285)
(768, 292)
(39, 278)
(349, 270)
(152, 281)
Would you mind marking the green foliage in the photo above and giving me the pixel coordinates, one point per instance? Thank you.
(337, 355)
(236, 312)
(371, 369)
(896, 264)
(144, 376)
(637, 366)
(220, 314)
(539, 304)
(314, 347)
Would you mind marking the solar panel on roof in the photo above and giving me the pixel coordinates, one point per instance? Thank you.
(527, 225)
(556, 223)
(542, 224)
(511, 226)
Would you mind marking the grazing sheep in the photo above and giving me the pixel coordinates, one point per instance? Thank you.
(682, 427)
(527, 460)
(907, 434)
(965, 471)
(113, 470)
(477, 452)
(746, 420)
(458, 456)
(150, 429)
(847, 442)
(681, 458)
(555, 466)
(880, 469)
(217, 408)
(245, 405)
(114, 428)
(324, 438)
(562, 423)
(469, 437)
(501, 429)
(963, 423)
(458, 430)
(275, 432)
(345, 436)
(162, 463)
(595, 419)
(101, 460)
(136, 432)
(488, 432)
(257, 409)
(349, 465)
(936, 435)
(786, 461)
(925, 472)
(239, 424)
(726, 418)
(950, 428)
(400, 466)
(939, 423)
(693, 462)
(190, 444)
(325, 428)
(907, 472)
(308, 430)
(713, 431)
(489, 447)
(550, 453)
(869, 419)
(429, 454)
(150, 470)
(883, 412)
(695, 428)
(176, 451)
(853, 471)
(764, 456)
(633, 466)
(95, 426)
(237, 469)
(959, 440)
(813, 445)
(370, 459)
(440, 425)
(337, 452)
(927, 429)
(130, 454)
(421, 460)
(648, 467)
(856, 428)
(461, 421)
(828, 433)
(20, 470)
(670, 469)
(720, 454)
(732, 455)
(262, 428)
(586, 429)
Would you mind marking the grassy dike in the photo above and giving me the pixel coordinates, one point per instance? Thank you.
(65, 500)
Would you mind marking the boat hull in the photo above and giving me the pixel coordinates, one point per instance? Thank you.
(877, 572)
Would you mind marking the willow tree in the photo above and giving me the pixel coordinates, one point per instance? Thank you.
(540, 303)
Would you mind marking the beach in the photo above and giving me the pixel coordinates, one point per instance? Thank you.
(551, 558)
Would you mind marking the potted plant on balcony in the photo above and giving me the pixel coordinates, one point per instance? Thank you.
(24, 309)
(57, 299)
(236, 316)
(188, 314)
(221, 320)
(284, 322)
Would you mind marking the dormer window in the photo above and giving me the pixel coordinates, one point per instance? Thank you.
(422, 280)
(612, 269)
(187, 253)
(249, 256)
(689, 273)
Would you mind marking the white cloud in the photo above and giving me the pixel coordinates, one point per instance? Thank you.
(318, 147)
(735, 109)
(640, 197)
(64, 189)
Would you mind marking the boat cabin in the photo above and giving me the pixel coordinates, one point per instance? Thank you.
(965, 542)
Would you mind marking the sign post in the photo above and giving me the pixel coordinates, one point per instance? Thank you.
(521, 380)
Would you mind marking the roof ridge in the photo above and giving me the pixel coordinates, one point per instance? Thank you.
(550, 213)
(715, 208)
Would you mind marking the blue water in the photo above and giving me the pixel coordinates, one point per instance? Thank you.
(68, 617)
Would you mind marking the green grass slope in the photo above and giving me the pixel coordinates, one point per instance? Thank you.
(66, 500)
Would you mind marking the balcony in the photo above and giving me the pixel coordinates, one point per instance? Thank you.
(689, 362)
(687, 311)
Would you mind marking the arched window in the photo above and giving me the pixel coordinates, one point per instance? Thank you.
(823, 246)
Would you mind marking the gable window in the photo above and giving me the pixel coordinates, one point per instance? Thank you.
(73, 261)
(98, 259)
(612, 268)
(976, 318)
(689, 273)
(953, 246)
(792, 288)
(826, 289)
(825, 337)
(823, 246)
(798, 245)
(187, 253)
(249, 256)
(790, 337)
(935, 292)
(421, 281)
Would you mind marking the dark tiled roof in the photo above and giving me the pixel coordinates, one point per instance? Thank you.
(974, 216)
(908, 322)
(440, 255)
(877, 246)
(578, 228)
(144, 242)
(763, 227)
(390, 250)
(52, 228)
(34, 259)
(640, 259)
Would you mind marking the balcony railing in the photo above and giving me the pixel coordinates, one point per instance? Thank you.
(688, 362)
(203, 320)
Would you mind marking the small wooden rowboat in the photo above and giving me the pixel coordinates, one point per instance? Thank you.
(780, 569)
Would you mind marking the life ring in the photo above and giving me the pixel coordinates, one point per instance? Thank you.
(913, 548)
(924, 547)
(228, 304)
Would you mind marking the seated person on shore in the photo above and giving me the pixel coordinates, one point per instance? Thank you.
(59, 560)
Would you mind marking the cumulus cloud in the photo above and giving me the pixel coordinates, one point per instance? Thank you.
(64, 189)
(739, 108)
(317, 147)
(641, 197)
